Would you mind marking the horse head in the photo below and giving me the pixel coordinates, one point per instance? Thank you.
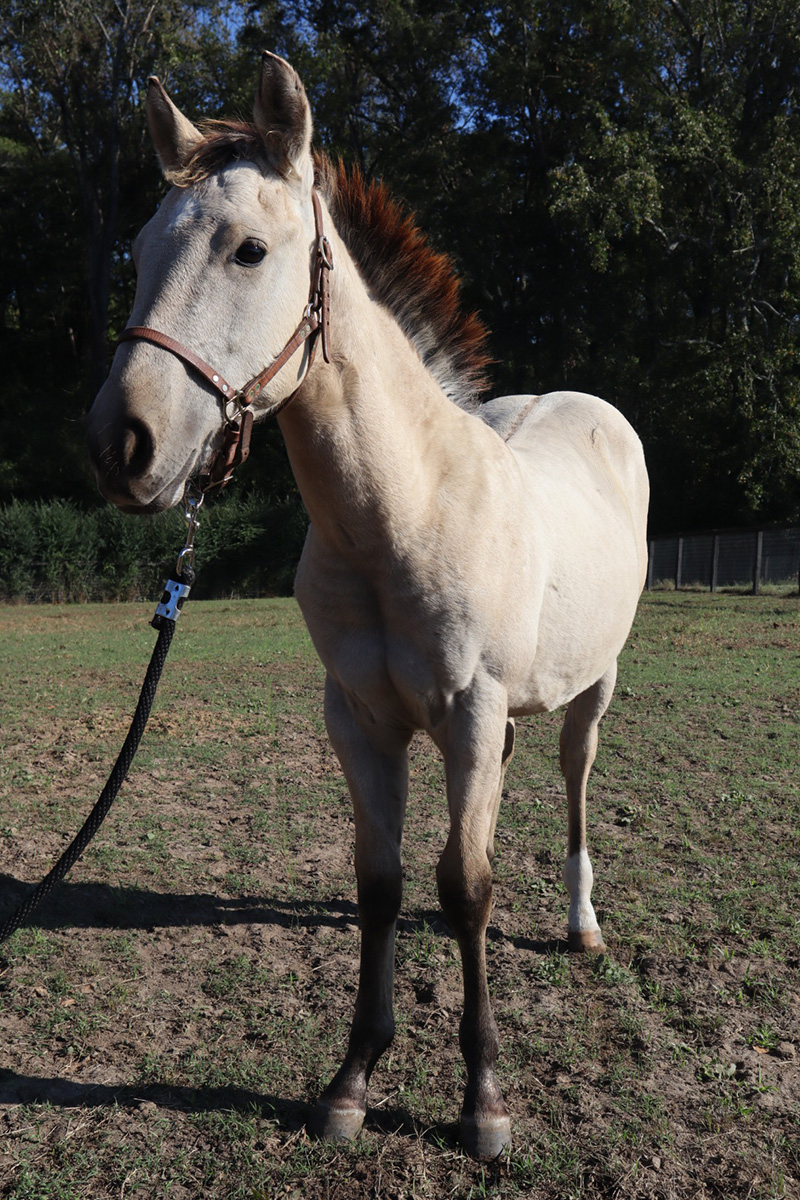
(222, 269)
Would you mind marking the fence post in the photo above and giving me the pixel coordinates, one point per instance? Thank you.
(757, 563)
(679, 565)
(714, 561)
(651, 550)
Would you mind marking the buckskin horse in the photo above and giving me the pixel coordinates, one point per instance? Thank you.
(466, 563)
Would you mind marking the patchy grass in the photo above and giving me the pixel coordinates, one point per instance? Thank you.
(169, 1018)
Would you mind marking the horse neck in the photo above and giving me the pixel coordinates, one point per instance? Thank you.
(369, 435)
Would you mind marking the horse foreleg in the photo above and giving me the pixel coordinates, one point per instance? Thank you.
(508, 751)
(474, 752)
(578, 747)
(378, 783)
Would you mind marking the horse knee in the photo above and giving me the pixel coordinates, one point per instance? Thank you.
(379, 897)
(465, 894)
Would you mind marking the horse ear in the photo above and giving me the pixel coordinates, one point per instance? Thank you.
(174, 137)
(282, 112)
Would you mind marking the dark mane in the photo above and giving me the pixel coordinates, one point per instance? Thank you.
(418, 285)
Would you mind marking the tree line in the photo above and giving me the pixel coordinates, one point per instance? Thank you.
(618, 182)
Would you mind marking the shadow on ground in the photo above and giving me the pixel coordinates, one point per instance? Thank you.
(99, 906)
(290, 1115)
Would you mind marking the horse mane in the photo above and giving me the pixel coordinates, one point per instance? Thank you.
(417, 284)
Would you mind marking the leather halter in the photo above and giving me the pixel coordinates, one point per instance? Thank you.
(316, 323)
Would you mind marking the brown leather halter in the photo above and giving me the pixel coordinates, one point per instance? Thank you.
(315, 323)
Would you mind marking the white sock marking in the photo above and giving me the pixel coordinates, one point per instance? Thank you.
(578, 878)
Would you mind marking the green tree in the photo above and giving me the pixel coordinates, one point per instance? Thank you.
(619, 183)
(728, 273)
(640, 237)
(78, 177)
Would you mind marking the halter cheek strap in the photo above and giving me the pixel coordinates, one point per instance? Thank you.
(315, 324)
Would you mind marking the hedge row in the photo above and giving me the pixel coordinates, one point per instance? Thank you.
(58, 552)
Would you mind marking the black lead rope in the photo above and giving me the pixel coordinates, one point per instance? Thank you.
(109, 792)
(167, 614)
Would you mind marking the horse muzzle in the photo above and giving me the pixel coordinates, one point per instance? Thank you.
(131, 470)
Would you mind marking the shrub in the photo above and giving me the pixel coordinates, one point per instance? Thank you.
(56, 551)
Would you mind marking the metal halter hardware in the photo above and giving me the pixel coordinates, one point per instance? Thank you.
(315, 323)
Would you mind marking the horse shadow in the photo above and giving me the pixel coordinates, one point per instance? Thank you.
(102, 906)
(287, 1114)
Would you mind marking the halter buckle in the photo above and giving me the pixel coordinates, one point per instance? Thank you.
(325, 253)
(237, 399)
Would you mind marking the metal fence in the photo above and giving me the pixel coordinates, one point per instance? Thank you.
(726, 558)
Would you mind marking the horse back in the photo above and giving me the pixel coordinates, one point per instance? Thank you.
(577, 449)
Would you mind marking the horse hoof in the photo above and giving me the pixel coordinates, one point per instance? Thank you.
(335, 1122)
(484, 1138)
(586, 941)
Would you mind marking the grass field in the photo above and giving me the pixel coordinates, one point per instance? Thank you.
(169, 1017)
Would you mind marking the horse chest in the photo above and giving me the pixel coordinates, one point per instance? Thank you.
(400, 664)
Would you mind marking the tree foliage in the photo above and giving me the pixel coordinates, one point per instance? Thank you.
(619, 184)
(77, 178)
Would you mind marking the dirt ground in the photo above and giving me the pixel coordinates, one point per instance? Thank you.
(168, 1021)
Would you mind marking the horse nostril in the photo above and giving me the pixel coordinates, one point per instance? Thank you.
(137, 447)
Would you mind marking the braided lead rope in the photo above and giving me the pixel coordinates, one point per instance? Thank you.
(109, 792)
(167, 614)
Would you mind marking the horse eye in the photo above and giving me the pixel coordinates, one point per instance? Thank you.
(250, 253)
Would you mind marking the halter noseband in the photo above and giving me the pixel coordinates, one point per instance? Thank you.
(316, 322)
